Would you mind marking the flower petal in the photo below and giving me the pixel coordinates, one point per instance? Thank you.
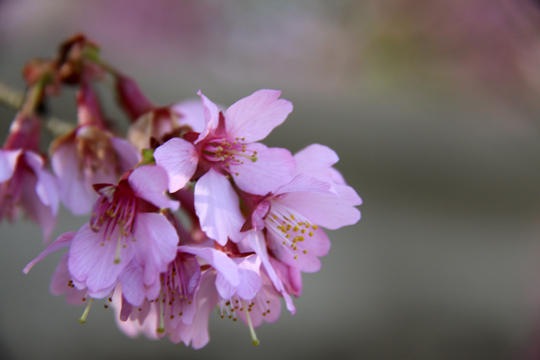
(218, 260)
(128, 156)
(327, 210)
(211, 117)
(316, 246)
(155, 241)
(250, 278)
(74, 192)
(217, 206)
(179, 158)
(255, 116)
(60, 283)
(150, 183)
(34, 208)
(91, 258)
(8, 161)
(191, 114)
(206, 299)
(62, 241)
(272, 169)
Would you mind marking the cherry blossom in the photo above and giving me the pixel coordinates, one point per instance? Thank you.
(125, 226)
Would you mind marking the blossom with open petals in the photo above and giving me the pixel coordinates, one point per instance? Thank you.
(227, 148)
(90, 154)
(125, 227)
(24, 182)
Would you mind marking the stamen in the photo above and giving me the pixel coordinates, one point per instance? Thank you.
(82, 320)
(161, 328)
(117, 257)
(254, 339)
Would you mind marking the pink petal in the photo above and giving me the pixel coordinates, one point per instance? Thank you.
(315, 158)
(211, 117)
(46, 187)
(133, 328)
(206, 300)
(272, 169)
(290, 276)
(150, 183)
(128, 156)
(132, 284)
(327, 210)
(92, 263)
(255, 116)
(179, 158)
(62, 241)
(304, 183)
(34, 208)
(155, 241)
(192, 114)
(218, 260)
(8, 161)
(217, 207)
(224, 288)
(74, 192)
(317, 245)
(258, 244)
(349, 194)
(258, 215)
(268, 299)
(60, 281)
(250, 278)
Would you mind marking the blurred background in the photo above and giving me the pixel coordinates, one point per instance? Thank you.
(433, 108)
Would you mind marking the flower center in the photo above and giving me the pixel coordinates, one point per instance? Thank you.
(115, 209)
(290, 227)
(228, 153)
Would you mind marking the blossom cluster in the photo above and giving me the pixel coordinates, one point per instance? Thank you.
(188, 213)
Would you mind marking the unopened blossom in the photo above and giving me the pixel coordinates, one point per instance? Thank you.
(125, 226)
(25, 184)
(228, 149)
(90, 154)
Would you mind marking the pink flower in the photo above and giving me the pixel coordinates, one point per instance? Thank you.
(89, 155)
(292, 216)
(185, 299)
(125, 227)
(24, 182)
(228, 144)
(226, 149)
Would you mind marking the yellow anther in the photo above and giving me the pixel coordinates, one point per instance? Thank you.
(305, 251)
(295, 257)
(311, 233)
(296, 228)
(315, 227)
(292, 216)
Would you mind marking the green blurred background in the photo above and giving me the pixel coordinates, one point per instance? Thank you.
(431, 105)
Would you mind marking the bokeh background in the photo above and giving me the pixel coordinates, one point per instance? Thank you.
(433, 108)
